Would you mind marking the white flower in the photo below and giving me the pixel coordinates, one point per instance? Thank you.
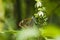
(40, 13)
(38, 4)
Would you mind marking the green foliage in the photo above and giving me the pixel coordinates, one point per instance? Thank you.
(16, 10)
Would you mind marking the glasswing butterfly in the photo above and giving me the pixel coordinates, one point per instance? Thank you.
(26, 23)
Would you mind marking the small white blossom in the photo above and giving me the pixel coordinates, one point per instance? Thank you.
(40, 13)
(38, 4)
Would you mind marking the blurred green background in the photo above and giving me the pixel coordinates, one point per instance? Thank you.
(13, 11)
